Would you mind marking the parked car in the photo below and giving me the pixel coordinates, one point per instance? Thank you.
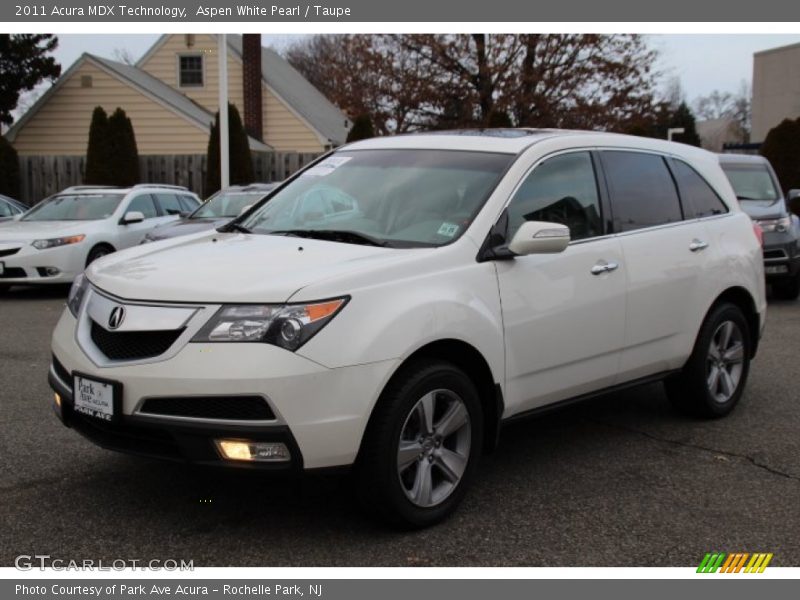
(56, 239)
(761, 197)
(470, 279)
(10, 209)
(217, 210)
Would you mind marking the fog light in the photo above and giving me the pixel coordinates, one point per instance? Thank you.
(57, 398)
(49, 271)
(253, 451)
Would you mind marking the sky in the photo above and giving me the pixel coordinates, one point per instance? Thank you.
(702, 62)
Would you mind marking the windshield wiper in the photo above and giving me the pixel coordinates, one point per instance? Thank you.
(335, 235)
(234, 227)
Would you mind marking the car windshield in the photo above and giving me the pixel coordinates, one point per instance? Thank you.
(75, 207)
(227, 204)
(398, 198)
(752, 183)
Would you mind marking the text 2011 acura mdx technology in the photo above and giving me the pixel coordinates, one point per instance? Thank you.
(463, 279)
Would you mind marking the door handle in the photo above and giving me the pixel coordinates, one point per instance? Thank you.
(604, 267)
(698, 245)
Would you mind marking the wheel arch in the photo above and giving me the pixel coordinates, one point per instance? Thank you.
(475, 366)
(97, 245)
(742, 298)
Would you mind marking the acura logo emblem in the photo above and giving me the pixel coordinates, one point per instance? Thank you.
(116, 317)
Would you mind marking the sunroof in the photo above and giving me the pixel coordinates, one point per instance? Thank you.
(499, 133)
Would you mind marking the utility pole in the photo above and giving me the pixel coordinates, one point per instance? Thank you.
(224, 135)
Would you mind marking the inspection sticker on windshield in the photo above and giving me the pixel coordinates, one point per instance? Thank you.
(448, 229)
(327, 166)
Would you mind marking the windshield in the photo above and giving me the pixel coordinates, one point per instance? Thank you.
(399, 198)
(75, 207)
(752, 183)
(227, 204)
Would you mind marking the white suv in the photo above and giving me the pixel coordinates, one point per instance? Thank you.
(56, 239)
(468, 279)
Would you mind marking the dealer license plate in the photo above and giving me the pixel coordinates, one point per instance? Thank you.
(94, 398)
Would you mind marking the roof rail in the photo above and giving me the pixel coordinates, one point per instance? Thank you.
(78, 188)
(162, 185)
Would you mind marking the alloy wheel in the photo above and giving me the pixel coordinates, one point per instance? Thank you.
(724, 363)
(434, 448)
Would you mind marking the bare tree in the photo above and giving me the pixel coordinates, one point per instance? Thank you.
(430, 81)
(727, 105)
(124, 55)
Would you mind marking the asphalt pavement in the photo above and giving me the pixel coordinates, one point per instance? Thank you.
(620, 481)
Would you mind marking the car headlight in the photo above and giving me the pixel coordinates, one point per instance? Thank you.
(286, 325)
(56, 242)
(780, 225)
(76, 293)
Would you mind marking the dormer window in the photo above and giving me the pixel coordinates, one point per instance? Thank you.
(190, 70)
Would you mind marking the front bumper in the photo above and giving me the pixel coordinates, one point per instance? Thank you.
(781, 255)
(28, 266)
(320, 413)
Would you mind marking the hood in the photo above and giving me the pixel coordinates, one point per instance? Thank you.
(230, 267)
(763, 210)
(185, 227)
(26, 231)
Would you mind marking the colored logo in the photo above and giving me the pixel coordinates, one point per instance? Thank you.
(736, 562)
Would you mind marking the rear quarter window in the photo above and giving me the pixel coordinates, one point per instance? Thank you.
(699, 198)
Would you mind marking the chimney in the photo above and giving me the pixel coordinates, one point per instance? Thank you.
(251, 78)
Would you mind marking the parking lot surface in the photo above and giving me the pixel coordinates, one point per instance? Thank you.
(620, 481)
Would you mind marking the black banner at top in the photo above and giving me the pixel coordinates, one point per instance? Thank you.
(441, 11)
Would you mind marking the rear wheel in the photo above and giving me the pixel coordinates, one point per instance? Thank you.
(713, 379)
(788, 289)
(421, 446)
(98, 251)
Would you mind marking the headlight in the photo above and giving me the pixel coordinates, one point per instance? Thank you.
(76, 293)
(780, 225)
(55, 242)
(286, 325)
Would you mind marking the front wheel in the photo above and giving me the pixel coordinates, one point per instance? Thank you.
(98, 252)
(713, 379)
(421, 446)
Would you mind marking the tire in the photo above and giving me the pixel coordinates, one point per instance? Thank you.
(788, 289)
(393, 492)
(98, 251)
(713, 379)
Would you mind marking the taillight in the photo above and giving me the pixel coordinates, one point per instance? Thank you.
(759, 233)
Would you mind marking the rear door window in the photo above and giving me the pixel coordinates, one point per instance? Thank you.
(643, 193)
(699, 198)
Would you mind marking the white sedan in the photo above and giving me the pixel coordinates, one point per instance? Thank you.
(60, 236)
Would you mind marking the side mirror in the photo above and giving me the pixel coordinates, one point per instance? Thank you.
(793, 201)
(132, 217)
(245, 209)
(540, 237)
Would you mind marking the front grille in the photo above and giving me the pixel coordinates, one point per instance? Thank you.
(132, 345)
(10, 252)
(233, 408)
(61, 372)
(13, 273)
